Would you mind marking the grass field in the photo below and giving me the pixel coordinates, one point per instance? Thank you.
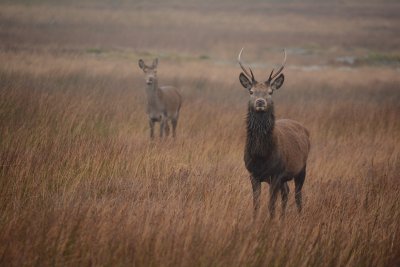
(81, 184)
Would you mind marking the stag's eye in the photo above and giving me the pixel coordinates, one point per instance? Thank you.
(251, 92)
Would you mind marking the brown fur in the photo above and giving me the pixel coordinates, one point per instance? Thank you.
(276, 151)
(292, 141)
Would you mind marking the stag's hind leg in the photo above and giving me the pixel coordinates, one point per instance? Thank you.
(298, 182)
(284, 194)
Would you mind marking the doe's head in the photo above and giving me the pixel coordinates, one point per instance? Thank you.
(149, 71)
(261, 92)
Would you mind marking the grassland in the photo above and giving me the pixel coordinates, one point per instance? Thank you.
(81, 184)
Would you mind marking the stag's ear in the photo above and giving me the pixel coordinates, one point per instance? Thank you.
(277, 83)
(245, 81)
(141, 64)
(155, 63)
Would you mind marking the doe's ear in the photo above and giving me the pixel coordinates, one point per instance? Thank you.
(155, 63)
(277, 83)
(245, 81)
(141, 64)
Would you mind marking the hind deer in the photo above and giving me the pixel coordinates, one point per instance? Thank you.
(163, 103)
(276, 151)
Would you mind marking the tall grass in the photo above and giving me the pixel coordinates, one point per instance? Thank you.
(82, 184)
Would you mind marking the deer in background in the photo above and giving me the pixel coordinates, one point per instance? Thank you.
(276, 151)
(163, 103)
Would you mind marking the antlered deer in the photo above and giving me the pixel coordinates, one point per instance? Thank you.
(276, 151)
(163, 103)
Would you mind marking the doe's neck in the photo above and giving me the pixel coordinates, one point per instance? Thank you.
(152, 89)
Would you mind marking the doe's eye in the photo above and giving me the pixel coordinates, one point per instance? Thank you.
(250, 92)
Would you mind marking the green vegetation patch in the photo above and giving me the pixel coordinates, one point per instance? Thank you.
(95, 50)
(379, 59)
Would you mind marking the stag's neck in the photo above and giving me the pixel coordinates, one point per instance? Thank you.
(260, 127)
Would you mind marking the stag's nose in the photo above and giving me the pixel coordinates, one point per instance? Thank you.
(261, 103)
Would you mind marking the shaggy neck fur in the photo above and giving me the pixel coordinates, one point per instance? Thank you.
(260, 126)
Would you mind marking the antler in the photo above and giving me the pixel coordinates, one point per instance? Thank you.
(272, 75)
(244, 70)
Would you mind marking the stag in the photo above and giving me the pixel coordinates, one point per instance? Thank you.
(163, 103)
(276, 151)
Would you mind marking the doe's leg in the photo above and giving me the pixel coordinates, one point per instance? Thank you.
(166, 128)
(162, 127)
(151, 123)
(174, 123)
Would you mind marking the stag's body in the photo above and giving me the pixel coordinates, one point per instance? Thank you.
(275, 151)
(163, 103)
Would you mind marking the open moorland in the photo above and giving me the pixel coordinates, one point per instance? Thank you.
(81, 184)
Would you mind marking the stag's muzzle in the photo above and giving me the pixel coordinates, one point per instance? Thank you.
(260, 104)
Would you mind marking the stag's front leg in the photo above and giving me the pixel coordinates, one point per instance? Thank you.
(256, 186)
(273, 194)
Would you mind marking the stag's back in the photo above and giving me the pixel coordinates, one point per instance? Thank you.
(293, 142)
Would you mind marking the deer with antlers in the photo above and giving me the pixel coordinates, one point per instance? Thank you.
(276, 151)
(163, 103)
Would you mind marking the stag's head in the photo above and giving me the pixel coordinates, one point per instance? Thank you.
(261, 92)
(149, 71)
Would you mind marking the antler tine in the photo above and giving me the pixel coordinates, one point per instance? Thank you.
(272, 76)
(252, 75)
(244, 70)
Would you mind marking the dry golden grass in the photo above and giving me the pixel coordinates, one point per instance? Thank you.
(82, 184)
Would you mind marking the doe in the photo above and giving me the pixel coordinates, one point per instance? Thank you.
(163, 103)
